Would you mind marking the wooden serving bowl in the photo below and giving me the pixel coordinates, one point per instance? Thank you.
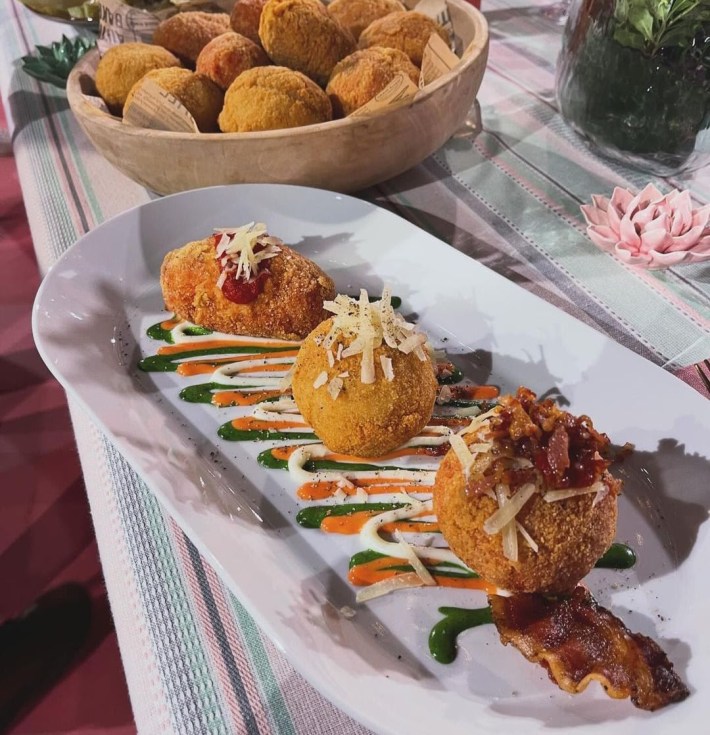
(342, 155)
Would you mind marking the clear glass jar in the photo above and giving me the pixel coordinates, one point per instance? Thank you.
(645, 104)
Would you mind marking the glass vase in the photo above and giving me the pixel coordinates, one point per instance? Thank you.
(648, 109)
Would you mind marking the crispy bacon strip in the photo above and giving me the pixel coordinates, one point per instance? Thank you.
(578, 641)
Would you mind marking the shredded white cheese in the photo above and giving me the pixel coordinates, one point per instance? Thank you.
(387, 370)
(411, 556)
(235, 250)
(399, 582)
(509, 508)
(529, 540)
(285, 383)
(361, 495)
(478, 421)
(320, 380)
(463, 454)
(509, 532)
(334, 387)
(371, 325)
(553, 496)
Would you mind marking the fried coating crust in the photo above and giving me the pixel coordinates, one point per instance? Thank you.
(408, 31)
(123, 65)
(300, 35)
(271, 98)
(199, 94)
(356, 15)
(571, 534)
(366, 420)
(359, 77)
(289, 307)
(224, 58)
(245, 18)
(186, 34)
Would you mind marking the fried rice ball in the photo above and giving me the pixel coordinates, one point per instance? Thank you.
(123, 65)
(300, 35)
(365, 419)
(359, 77)
(571, 534)
(201, 96)
(408, 31)
(245, 18)
(289, 306)
(356, 15)
(224, 58)
(186, 34)
(272, 98)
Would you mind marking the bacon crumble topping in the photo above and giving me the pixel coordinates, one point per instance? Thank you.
(566, 450)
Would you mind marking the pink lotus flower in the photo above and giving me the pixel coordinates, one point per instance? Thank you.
(650, 230)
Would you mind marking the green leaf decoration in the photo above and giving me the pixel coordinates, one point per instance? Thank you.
(52, 64)
(641, 20)
(653, 25)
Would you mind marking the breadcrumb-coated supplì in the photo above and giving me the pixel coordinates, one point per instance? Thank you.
(123, 65)
(245, 18)
(362, 75)
(271, 98)
(570, 533)
(201, 96)
(408, 31)
(289, 307)
(186, 34)
(300, 35)
(363, 419)
(224, 58)
(356, 15)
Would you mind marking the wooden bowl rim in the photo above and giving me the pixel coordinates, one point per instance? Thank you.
(84, 110)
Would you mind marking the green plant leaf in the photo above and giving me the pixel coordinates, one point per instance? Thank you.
(661, 9)
(642, 20)
(629, 38)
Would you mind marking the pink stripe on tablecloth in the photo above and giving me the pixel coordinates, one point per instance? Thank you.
(234, 641)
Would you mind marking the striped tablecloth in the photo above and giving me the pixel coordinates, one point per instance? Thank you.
(195, 661)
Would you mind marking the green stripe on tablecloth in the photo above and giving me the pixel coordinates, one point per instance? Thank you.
(59, 222)
(171, 625)
(277, 708)
(609, 283)
(66, 120)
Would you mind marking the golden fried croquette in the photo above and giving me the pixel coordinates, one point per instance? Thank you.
(245, 18)
(300, 35)
(366, 419)
(359, 77)
(289, 306)
(123, 65)
(201, 96)
(525, 449)
(356, 15)
(408, 31)
(224, 58)
(271, 98)
(186, 34)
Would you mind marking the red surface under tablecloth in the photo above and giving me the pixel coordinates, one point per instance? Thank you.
(46, 536)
